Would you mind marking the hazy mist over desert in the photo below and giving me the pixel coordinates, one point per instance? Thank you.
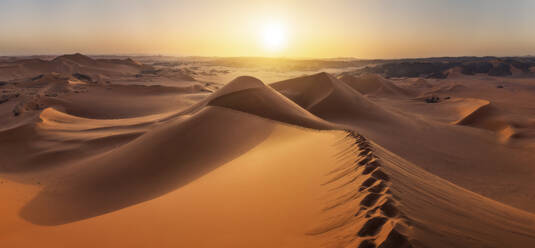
(367, 124)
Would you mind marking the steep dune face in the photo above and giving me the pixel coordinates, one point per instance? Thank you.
(330, 98)
(478, 114)
(467, 107)
(153, 164)
(250, 95)
(508, 130)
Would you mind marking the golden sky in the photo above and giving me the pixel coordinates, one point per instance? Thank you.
(336, 28)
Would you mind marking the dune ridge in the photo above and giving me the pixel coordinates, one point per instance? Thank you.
(252, 139)
(377, 199)
(488, 118)
(250, 95)
(99, 184)
(329, 98)
(378, 221)
(477, 114)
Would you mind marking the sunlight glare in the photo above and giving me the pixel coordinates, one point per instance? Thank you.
(273, 36)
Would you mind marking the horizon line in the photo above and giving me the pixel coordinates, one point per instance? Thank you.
(262, 57)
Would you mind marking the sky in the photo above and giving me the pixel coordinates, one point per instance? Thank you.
(304, 29)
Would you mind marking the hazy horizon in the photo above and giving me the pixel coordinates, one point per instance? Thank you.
(253, 57)
(292, 29)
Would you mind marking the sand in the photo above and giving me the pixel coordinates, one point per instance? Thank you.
(313, 161)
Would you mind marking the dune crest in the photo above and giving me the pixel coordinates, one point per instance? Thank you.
(385, 201)
(252, 96)
(152, 164)
(329, 98)
(298, 163)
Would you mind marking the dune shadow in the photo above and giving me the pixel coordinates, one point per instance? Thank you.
(152, 165)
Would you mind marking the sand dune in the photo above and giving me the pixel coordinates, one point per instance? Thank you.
(329, 98)
(358, 194)
(476, 115)
(385, 200)
(450, 110)
(250, 95)
(373, 84)
(306, 162)
(152, 164)
(489, 117)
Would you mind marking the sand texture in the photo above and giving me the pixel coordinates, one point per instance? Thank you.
(116, 153)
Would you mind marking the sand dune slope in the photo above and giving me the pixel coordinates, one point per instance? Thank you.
(253, 165)
(508, 130)
(445, 215)
(378, 199)
(250, 95)
(157, 140)
(330, 98)
(266, 197)
(477, 115)
(357, 194)
(155, 163)
(450, 110)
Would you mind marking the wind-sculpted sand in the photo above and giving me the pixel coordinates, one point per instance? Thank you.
(314, 161)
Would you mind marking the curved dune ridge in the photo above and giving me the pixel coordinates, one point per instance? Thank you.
(68, 65)
(250, 95)
(489, 118)
(450, 110)
(251, 165)
(157, 162)
(467, 107)
(475, 115)
(329, 98)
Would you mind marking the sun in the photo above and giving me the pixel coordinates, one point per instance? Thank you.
(273, 36)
